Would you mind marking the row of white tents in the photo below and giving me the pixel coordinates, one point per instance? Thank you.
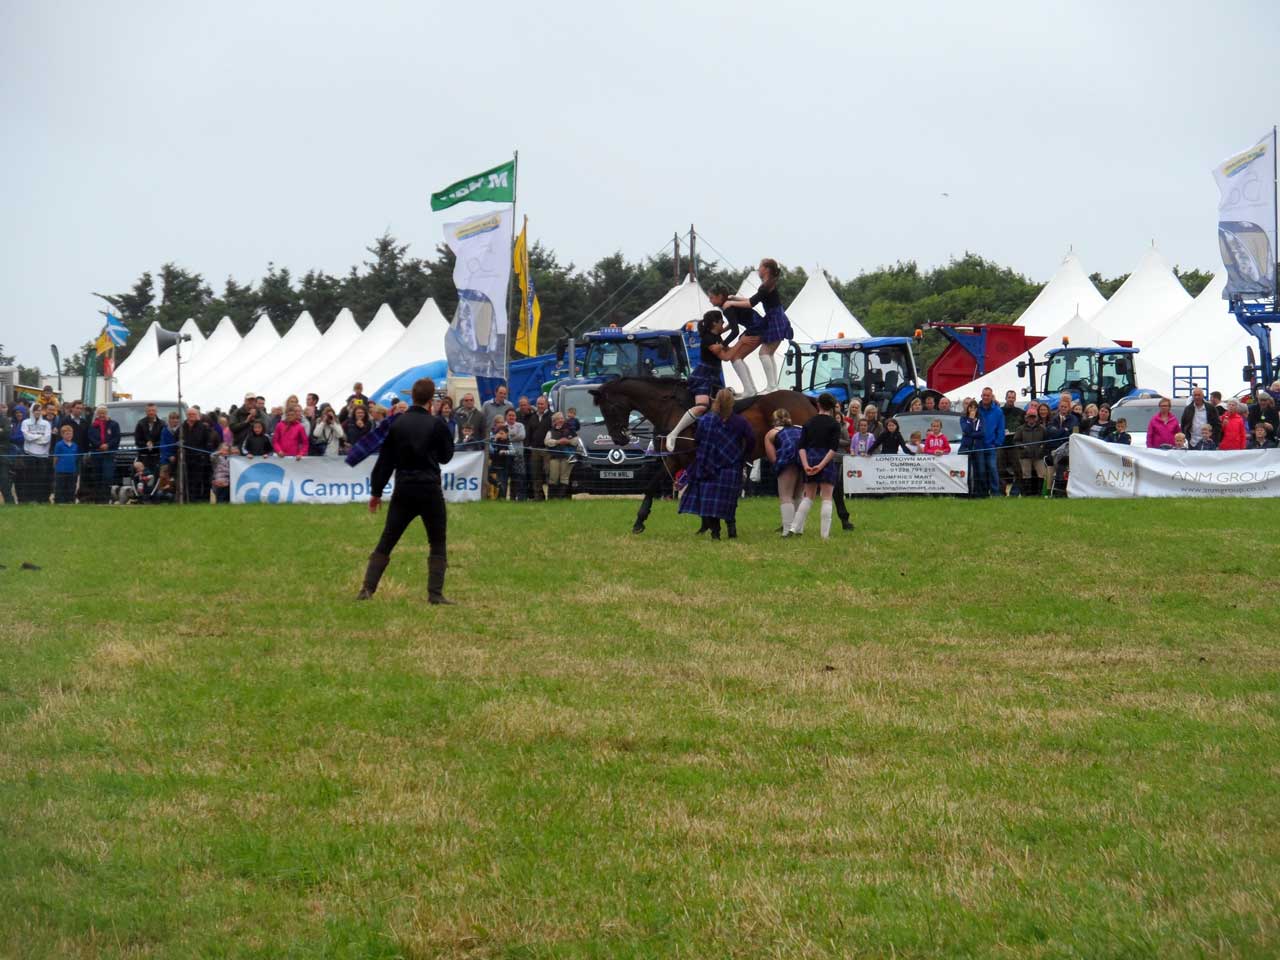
(1151, 310)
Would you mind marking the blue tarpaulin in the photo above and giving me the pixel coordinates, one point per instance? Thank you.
(397, 388)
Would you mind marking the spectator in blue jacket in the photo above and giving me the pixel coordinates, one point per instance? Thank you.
(991, 417)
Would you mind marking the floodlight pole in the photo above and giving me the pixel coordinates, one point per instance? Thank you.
(180, 495)
(693, 254)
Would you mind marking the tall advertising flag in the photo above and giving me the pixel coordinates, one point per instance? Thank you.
(530, 310)
(495, 186)
(1247, 220)
(477, 339)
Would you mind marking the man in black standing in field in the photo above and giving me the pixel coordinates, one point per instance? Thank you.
(417, 443)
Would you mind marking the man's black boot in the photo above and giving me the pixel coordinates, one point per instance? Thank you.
(372, 574)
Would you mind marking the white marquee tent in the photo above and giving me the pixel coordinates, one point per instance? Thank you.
(144, 353)
(333, 383)
(290, 348)
(217, 388)
(301, 375)
(1205, 333)
(1068, 292)
(158, 381)
(818, 314)
(681, 304)
(421, 342)
(1079, 333)
(222, 343)
(1145, 302)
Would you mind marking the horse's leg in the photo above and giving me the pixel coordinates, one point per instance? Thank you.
(646, 505)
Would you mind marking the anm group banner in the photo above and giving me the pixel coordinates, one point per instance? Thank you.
(1115, 471)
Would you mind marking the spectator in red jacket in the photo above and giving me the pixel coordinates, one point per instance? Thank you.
(1234, 435)
(1163, 427)
(290, 436)
(936, 442)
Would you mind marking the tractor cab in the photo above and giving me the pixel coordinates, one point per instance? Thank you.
(614, 352)
(1090, 374)
(879, 370)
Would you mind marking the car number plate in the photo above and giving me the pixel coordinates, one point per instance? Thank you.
(617, 474)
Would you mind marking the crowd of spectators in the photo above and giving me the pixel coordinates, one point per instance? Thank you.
(66, 453)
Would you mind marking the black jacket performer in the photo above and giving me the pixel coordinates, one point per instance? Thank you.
(416, 445)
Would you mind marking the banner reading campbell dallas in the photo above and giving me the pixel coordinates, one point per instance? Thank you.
(330, 480)
(904, 473)
(1115, 471)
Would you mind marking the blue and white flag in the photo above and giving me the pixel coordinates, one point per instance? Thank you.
(117, 331)
(1247, 220)
(476, 343)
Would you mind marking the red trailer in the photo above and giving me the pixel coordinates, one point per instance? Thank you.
(974, 351)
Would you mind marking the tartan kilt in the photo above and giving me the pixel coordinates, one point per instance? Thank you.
(776, 326)
(705, 379)
(829, 473)
(715, 495)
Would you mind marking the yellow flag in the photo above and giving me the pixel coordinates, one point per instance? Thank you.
(103, 344)
(530, 310)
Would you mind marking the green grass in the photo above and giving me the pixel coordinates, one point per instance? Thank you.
(993, 729)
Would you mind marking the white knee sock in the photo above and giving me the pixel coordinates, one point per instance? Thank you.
(688, 418)
(802, 512)
(788, 515)
(770, 372)
(744, 374)
(826, 519)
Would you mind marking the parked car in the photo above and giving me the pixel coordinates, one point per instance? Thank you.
(127, 413)
(1138, 412)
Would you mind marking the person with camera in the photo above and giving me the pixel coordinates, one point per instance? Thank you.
(500, 457)
(326, 435)
(416, 444)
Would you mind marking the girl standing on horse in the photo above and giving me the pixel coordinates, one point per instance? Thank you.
(782, 447)
(819, 443)
(765, 332)
(708, 376)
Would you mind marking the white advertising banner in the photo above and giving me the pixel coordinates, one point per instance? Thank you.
(330, 480)
(1115, 471)
(905, 473)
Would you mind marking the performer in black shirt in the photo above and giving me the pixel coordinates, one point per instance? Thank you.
(416, 445)
(707, 378)
(819, 450)
(743, 322)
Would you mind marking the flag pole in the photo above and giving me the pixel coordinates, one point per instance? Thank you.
(511, 279)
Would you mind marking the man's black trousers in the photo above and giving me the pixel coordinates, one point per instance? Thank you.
(407, 504)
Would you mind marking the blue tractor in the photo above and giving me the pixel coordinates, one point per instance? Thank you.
(1090, 374)
(879, 370)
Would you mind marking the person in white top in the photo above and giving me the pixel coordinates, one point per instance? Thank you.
(35, 479)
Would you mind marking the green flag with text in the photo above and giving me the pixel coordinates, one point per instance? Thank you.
(496, 186)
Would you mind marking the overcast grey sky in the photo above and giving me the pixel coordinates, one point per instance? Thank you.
(226, 135)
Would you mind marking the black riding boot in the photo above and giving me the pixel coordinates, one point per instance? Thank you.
(436, 567)
(372, 574)
(713, 524)
(706, 525)
(731, 527)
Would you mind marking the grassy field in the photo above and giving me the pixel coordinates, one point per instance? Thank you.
(991, 729)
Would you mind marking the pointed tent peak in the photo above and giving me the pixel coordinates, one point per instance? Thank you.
(1068, 291)
(304, 323)
(262, 329)
(680, 305)
(1145, 301)
(429, 314)
(749, 285)
(385, 318)
(225, 330)
(817, 313)
(343, 323)
(192, 329)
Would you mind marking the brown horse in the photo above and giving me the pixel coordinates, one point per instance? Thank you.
(663, 400)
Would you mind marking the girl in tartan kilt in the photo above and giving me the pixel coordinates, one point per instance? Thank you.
(708, 376)
(782, 447)
(766, 332)
(819, 445)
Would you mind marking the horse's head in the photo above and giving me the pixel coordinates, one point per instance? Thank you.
(616, 410)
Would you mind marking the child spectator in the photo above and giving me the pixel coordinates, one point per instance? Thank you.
(139, 486)
(163, 490)
(257, 443)
(1122, 433)
(936, 443)
(1205, 441)
(1260, 439)
(571, 421)
(222, 474)
(890, 441)
(499, 457)
(915, 444)
(861, 441)
(66, 466)
(1180, 441)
